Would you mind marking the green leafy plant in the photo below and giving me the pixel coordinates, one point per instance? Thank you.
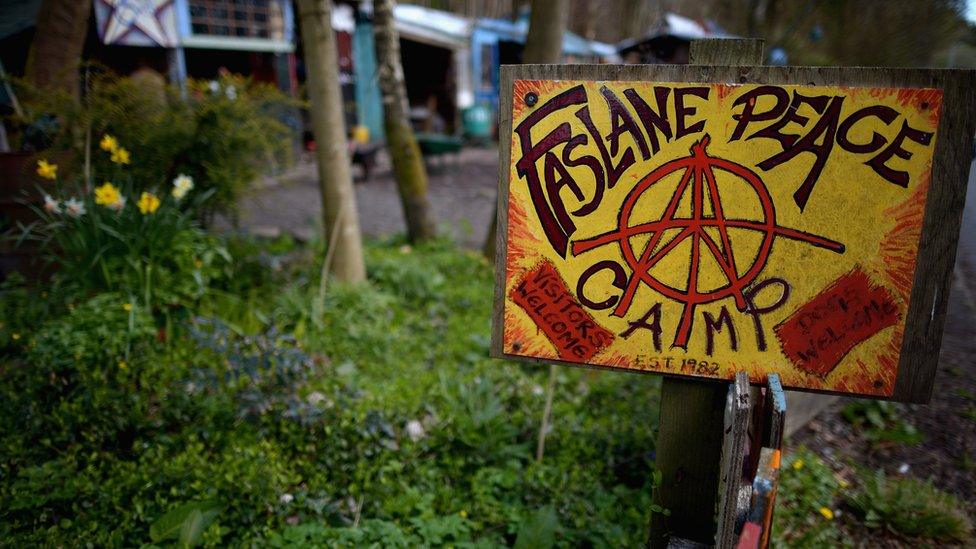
(186, 523)
(224, 134)
(911, 507)
(880, 421)
(384, 424)
(805, 503)
(538, 531)
(111, 238)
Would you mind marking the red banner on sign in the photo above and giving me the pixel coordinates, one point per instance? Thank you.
(543, 294)
(851, 310)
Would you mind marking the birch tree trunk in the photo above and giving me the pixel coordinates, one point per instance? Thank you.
(408, 164)
(544, 44)
(339, 211)
(59, 38)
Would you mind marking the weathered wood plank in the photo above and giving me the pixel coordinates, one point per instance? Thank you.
(775, 414)
(726, 51)
(501, 232)
(733, 501)
(689, 447)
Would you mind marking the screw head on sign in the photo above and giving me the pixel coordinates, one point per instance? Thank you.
(531, 99)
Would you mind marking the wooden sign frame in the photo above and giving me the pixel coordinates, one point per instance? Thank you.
(952, 155)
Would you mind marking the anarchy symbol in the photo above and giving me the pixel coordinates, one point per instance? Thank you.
(699, 174)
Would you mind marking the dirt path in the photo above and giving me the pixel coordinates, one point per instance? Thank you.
(462, 194)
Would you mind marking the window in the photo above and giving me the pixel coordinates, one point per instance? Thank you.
(238, 18)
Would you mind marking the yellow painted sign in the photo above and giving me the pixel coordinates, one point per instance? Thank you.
(705, 229)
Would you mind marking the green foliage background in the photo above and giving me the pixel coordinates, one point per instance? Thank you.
(297, 426)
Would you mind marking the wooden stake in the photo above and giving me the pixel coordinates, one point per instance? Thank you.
(689, 441)
(540, 447)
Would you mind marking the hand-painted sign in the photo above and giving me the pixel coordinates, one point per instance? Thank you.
(707, 228)
(137, 22)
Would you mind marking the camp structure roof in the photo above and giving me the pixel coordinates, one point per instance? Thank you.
(439, 28)
(449, 30)
(454, 31)
(573, 44)
(675, 27)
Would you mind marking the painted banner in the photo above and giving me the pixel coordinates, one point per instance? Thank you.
(705, 229)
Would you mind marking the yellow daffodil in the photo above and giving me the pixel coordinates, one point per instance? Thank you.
(123, 365)
(47, 171)
(108, 195)
(827, 513)
(797, 465)
(120, 156)
(148, 203)
(108, 143)
(127, 307)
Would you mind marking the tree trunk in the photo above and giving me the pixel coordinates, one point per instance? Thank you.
(59, 38)
(408, 164)
(339, 211)
(544, 44)
(634, 15)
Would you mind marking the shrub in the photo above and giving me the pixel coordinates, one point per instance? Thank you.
(76, 383)
(108, 431)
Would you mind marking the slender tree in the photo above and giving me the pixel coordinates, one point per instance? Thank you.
(59, 38)
(339, 212)
(408, 164)
(544, 44)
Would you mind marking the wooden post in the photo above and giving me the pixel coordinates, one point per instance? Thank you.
(689, 441)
